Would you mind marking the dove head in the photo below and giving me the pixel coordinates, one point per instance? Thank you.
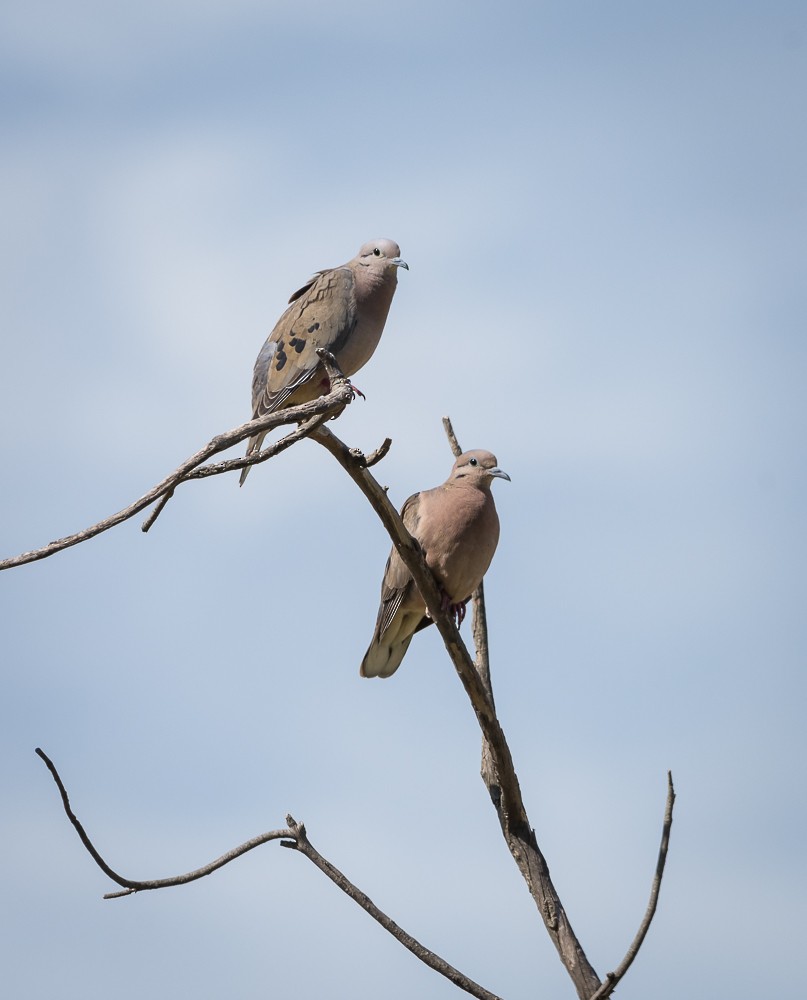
(383, 256)
(477, 468)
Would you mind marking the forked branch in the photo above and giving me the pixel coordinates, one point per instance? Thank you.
(308, 415)
(490, 777)
(512, 813)
(498, 770)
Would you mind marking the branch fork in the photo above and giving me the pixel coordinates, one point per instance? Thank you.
(498, 771)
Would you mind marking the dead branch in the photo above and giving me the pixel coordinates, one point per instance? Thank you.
(453, 443)
(490, 777)
(375, 456)
(498, 770)
(310, 415)
(230, 465)
(130, 885)
(294, 836)
(512, 813)
(611, 980)
(489, 774)
(303, 845)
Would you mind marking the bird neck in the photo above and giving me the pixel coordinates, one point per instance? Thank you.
(370, 281)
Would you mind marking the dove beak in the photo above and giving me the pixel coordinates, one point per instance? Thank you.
(498, 473)
(399, 262)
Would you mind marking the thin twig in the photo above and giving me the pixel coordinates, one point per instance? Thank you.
(232, 464)
(611, 980)
(326, 406)
(453, 443)
(159, 507)
(375, 456)
(78, 827)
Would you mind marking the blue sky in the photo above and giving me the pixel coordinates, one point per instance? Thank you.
(603, 209)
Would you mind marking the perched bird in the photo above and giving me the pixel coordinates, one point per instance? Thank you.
(342, 310)
(457, 527)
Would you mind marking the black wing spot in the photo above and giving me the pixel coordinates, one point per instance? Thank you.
(313, 327)
(297, 343)
(280, 359)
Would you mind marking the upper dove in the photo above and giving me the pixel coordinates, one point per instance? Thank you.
(342, 310)
(457, 527)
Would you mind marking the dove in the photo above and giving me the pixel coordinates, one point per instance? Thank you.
(342, 310)
(457, 527)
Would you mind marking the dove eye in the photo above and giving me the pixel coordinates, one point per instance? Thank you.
(473, 461)
(377, 252)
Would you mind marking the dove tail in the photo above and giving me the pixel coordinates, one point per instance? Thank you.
(253, 446)
(382, 659)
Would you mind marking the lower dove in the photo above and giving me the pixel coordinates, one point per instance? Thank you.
(457, 527)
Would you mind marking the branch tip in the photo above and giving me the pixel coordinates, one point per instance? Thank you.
(381, 451)
(158, 509)
(452, 437)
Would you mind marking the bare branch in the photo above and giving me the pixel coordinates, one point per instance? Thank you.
(232, 464)
(294, 836)
(375, 456)
(302, 844)
(497, 765)
(479, 631)
(159, 507)
(453, 443)
(611, 980)
(311, 414)
(513, 818)
(77, 825)
(490, 777)
(130, 885)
